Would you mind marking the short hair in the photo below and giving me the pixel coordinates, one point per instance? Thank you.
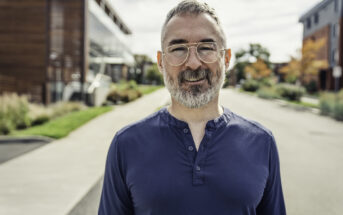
(192, 7)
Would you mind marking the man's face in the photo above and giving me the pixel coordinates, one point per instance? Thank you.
(193, 83)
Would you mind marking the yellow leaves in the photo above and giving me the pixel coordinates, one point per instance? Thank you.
(292, 68)
(257, 70)
(308, 63)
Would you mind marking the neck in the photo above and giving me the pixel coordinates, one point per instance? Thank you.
(196, 115)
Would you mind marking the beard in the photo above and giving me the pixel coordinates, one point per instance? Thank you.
(196, 96)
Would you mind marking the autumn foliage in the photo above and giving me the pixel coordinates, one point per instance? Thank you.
(306, 65)
(258, 70)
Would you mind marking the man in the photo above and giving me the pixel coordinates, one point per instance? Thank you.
(194, 157)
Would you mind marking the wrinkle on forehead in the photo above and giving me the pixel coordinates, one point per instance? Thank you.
(189, 29)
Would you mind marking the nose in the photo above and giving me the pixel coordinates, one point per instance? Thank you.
(193, 62)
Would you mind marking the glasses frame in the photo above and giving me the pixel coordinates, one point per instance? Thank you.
(188, 45)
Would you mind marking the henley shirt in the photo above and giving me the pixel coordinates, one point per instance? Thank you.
(153, 168)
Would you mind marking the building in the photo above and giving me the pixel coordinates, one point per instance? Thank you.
(324, 20)
(56, 50)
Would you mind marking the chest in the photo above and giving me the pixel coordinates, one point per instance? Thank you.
(197, 132)
(222, 171)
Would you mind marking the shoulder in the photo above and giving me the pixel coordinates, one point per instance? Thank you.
(139, 130)
(246, 124)
(247, 128)
(135, 137)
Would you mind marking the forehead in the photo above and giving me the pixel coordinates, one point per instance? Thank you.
(191, 28)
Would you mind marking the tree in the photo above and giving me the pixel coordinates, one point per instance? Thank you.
(140, 62)
(258, 70)
(306, 65)
(255, 53)
(153, 76)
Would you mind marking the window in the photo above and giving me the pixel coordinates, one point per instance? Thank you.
(308, 23)
(336, 5)
(316, 18)
(333, 30)
(334, 56)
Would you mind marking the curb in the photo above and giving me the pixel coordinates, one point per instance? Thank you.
(26, 139)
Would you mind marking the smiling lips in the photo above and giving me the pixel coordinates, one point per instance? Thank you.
(194, 77)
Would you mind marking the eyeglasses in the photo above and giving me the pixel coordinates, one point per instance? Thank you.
(177, 55)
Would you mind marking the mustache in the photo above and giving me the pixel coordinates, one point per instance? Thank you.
(193, 74)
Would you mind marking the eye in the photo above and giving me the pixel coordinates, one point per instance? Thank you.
(177, 49)
(206, 47)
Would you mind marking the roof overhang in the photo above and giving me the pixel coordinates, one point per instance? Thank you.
(313, 10)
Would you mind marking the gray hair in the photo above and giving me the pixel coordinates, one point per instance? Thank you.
(193, 7)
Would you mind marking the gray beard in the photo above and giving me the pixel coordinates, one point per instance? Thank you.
(193, 98)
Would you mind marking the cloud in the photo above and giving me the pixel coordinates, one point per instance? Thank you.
(273, 23)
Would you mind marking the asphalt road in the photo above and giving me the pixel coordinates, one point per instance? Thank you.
(11, 148)
(310, 149)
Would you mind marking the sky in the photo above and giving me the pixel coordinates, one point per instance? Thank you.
(272, 23)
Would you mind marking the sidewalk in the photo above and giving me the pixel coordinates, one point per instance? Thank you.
(54, 178)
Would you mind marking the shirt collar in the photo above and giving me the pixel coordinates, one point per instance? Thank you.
(212, 124)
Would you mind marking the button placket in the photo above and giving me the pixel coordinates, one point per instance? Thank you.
(188, 144)
(199, 163)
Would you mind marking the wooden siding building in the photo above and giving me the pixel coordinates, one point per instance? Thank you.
(47, 45)
(325, 21)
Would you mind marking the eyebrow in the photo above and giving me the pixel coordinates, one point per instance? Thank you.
(181, 41)
(207, 40)
(177, 41)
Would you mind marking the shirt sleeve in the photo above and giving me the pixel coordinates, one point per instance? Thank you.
(272, 202)
(115, 197)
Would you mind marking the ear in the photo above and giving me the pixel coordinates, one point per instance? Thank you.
(159, 61)
(227, 58)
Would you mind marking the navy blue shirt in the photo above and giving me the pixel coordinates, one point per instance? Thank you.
(153, 168)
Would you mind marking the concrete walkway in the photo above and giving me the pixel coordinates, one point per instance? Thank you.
(54, 178)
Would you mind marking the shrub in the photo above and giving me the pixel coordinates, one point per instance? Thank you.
(250, 85)
(266, 82)
(113, 96)
(132, 85)
(62, 108)
(268, 93)
(332, 105)
(13, 112)
(338, 110)
(311, 87)
(290, 92)
(153, 76)
(124, 92)
(6, 126)
(327, 103)
(39, 114)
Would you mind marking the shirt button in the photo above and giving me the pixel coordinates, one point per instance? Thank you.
(190, 148)
(197, 168)
(185, 130)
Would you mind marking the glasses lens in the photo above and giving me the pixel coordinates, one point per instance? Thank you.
(207, 52)
(176, 54)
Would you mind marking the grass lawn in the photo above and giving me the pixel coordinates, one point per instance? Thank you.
(62, 126)
(146, 89)
(304, 104)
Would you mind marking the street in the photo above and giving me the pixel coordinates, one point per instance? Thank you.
(310, 149)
